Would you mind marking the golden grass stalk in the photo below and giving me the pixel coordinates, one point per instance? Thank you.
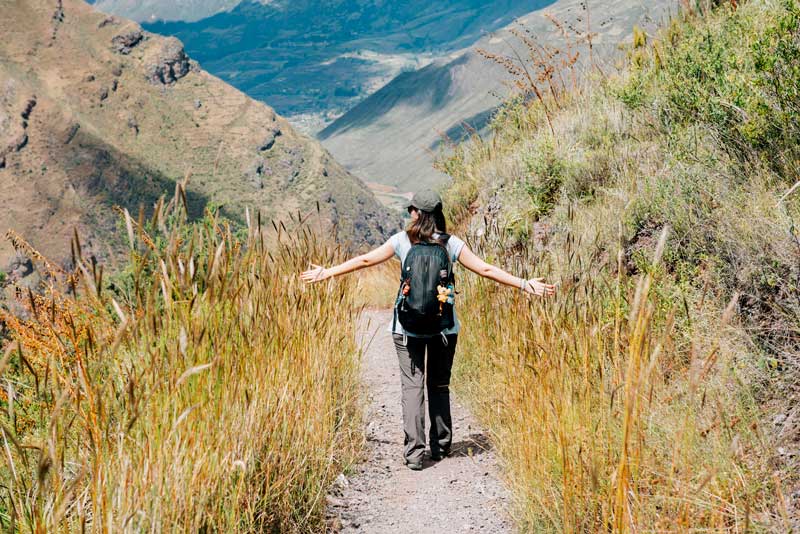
(205, 389)
(602, 422)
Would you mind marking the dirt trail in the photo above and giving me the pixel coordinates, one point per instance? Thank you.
(462, 493)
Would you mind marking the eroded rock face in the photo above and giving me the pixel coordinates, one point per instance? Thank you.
(29, 105)
(13, 128)
(21, 276)
(125, 42)
(269, 139)
(19, 267)
(169, 63)
(110, 20)
(255, 173)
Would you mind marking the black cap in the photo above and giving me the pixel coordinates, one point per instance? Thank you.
(425, 200)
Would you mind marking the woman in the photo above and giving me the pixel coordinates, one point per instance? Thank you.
(427, 225)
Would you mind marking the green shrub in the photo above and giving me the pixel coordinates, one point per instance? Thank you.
(740, 85)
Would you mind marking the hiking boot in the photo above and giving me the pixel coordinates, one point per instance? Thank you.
(440, 454)
(414, 466)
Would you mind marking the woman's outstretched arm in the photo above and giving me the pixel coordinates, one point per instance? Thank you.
(373, 257)
(534, 286)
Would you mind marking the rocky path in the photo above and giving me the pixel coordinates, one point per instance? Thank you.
(462, 493)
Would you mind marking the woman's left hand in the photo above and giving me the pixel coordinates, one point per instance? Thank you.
(317, 274)
(536, 286)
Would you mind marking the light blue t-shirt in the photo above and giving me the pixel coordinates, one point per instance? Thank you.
(401, 245)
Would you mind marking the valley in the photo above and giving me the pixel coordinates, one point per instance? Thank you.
(382, 92)
(97, 112)
(313, 61)
(394, 136)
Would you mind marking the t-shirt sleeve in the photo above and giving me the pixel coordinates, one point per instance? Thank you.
(455, 245)
(395, 242)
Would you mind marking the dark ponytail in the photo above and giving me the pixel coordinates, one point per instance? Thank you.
(427, 224)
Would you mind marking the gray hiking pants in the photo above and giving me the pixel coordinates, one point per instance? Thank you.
(412, 375)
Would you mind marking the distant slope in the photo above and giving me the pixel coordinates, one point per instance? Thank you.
(94, 112)
(390, 138)
(313, 60)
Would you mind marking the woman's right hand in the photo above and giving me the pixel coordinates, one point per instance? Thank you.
(537, 286)
(317, 274)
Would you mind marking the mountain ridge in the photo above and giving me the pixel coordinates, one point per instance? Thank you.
(313, 60)
(391, 137)
(151, 10)
(97, 112)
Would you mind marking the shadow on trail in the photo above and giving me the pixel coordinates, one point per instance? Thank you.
(474, 445)
(470, 447)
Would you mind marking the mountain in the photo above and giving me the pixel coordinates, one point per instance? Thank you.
(314, 60)
(95, 112)
(391, 137)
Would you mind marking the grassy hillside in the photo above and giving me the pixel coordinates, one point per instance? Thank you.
(184, 394)
(94, 112)
(659, 391)
(393, 136)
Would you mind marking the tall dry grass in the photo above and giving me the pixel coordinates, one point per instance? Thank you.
(203, 390)
(651, 395)
(377, 287)
(609, 412)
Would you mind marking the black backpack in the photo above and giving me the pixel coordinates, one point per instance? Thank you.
(425, 274)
